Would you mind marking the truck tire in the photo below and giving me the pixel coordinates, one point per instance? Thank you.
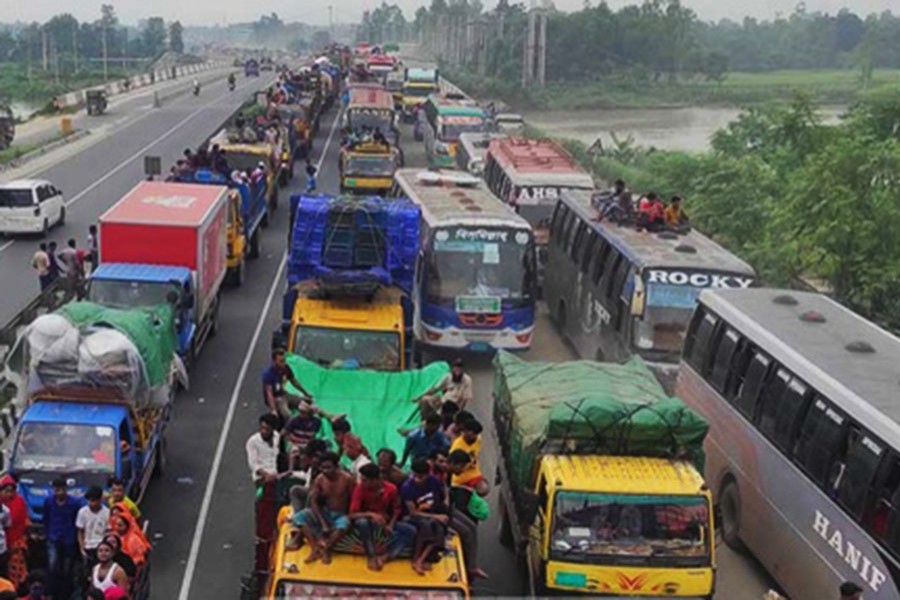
(159, 469)
(506, 534)
(254, 245)
(730, 507)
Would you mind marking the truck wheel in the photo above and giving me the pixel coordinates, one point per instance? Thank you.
(254, 245)
(506, 534)
(730, 506)
(159, 469)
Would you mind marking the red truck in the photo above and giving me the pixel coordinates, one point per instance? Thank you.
(166, 242)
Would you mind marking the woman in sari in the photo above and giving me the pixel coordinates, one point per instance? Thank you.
(134, 543)
(16, 538)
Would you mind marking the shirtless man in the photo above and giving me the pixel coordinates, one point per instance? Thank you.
(325, 522)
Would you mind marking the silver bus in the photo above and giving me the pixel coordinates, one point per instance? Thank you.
(803, 455)
(471, 150)
(615, 291)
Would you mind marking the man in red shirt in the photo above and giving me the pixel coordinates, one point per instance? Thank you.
(375, 504)
(651, 213)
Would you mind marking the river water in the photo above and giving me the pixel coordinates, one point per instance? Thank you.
(687, 129)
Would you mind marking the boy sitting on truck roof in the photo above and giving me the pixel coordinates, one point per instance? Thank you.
(325, 522)
(469, 474)
(375, 504)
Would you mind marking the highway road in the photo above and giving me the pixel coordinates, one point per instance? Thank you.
(200, 510)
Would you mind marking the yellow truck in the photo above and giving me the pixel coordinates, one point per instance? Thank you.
(368, 167)
(600, 490)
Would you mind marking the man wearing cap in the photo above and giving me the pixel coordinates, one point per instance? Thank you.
(455, 385)
(850, 591)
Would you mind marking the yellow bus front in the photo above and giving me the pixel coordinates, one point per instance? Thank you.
(347, 576)
(350, 332)
(647, 530)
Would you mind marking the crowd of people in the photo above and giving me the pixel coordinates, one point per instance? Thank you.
(347, 498)
(649, 212)
(95, 546)
(70, 264)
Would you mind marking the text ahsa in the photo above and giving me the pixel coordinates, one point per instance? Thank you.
(852, 555)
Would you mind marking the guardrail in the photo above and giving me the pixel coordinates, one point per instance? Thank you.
(138, 81)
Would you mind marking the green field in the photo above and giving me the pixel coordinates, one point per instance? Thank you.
(737, 89)
(42, 86)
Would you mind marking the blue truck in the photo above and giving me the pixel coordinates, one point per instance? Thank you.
(248, 212)
(99, 394)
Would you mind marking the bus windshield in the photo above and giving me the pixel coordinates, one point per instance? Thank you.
(370, 118)
(418, 91)
(452, 127)
(628, 529)
(64, 448)
(484, 263)
(127, 294)
(348, 348)
(369, 166)
(296, 591)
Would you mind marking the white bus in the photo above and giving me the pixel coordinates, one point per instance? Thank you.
(803, 456)
(475, 281)
(615, 291)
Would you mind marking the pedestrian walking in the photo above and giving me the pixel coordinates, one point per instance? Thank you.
(310, 177)
(93, 248)
(40, 262)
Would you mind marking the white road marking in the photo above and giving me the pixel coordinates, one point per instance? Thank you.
(134, 156)
(200, 527)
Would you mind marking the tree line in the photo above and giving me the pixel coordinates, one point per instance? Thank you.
(806, 204)
(65, 44)
(655, 40)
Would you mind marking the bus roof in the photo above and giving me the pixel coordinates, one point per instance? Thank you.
(445, 202)
(349, 570)
(421, 75)
(862, 383)
(623, 474)
(378, 98)
(456, 108)
(647, 249)
(538, 162)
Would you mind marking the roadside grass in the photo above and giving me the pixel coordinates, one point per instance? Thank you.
(42, 86)
(831, 86)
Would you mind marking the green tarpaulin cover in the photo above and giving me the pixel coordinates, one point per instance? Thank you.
(151, 330)
(376, 402)
(588, 407)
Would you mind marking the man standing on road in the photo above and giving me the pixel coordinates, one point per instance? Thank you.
(70, 265)
(310, 177)
(93, 252)
(60, 514)
(262, 458)
(54, 261)
(850, 591)
(40, 262)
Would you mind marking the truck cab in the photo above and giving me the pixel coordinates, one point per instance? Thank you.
(126, 285)
(85, 441)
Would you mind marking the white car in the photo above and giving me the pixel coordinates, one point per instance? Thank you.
(30, 206)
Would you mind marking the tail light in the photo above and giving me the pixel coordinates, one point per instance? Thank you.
(433, 336)
(524, 338)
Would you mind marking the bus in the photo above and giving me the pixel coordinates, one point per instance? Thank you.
(471, 149)
(615, 291)
(441, 123)
(418, 84)
(475, 281)
(529, 174)
(803, 454)
(371, 108)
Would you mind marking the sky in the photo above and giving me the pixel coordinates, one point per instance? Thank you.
(209, 12)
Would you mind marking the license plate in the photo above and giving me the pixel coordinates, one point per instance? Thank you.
(479, 347)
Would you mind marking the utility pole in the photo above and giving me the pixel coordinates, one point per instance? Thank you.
(44, 49)
(55, 51)
(330, 24)
(542, 48)
(75, 48)
(105, 57)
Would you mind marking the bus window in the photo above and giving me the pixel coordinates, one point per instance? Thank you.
(884, 522)
(723, 361)
(860, 467)
(612, 266)
(556, 219)
(770, 401)
(620, 301)
(700, 344)
(589, 250)
(556, 233)
(748, 392)
(600, 260)
(792, 405)
(569, 231)
(577, 240)
(820, 435)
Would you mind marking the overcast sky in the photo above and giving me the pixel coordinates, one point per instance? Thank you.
(199, 12)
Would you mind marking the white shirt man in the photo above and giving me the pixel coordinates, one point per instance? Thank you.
(262, 450)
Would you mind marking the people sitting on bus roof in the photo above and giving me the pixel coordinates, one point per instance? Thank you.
(676, 218)
(651, 213)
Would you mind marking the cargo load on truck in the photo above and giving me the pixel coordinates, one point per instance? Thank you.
(87, 345)
(587, 407)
